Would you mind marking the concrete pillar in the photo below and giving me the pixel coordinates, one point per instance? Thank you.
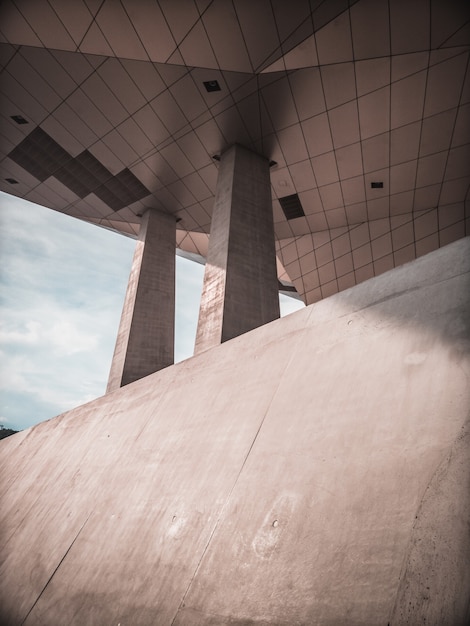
(145, 341)
(240, 290)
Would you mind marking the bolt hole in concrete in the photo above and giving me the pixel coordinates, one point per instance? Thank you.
(275, 523)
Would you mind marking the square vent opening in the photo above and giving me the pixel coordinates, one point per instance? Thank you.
(377, 185)
(292, 207)
(211, 85)
(19, 119)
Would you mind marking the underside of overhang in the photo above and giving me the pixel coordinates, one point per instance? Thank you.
(110, 108)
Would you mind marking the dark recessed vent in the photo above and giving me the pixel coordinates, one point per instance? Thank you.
(211, 85)
(12, 181)
(19, 119)
(42, 156)
(292, 207)
(378, 185)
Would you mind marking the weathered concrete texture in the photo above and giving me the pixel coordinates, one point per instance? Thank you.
(145, 341)
(240, 289)
(312, 471)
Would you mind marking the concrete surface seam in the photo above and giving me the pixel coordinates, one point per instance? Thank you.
(446, 459)
(281, 376)
(55, 570)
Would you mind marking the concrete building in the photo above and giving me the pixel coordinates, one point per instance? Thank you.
(312, 470)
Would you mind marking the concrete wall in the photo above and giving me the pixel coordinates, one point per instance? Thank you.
(313, 471)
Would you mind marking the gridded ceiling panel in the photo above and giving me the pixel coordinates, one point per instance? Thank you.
(338, 94)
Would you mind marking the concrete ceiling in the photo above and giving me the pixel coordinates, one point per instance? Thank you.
(104, 113)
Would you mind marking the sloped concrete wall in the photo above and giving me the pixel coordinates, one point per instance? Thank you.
(313, 471)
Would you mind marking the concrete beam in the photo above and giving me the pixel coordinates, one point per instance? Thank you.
(145, 341)
(240, 290)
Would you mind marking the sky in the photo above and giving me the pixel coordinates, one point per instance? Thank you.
(62, 287)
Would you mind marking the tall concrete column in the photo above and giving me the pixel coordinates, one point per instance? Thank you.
(145, 341)
(240, 290)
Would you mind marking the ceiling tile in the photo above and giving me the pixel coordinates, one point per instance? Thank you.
(289, 16)
(384, 264)
(359, 235)
(447, 18)
(16, 29)
(259, 29)
(75, 125)
(371, 75)
(347, 281)
(427, 244)
(151, 125)
(380, 227)
(339, 83)
(196, 49)
(324, 168)
(329, 289)
(378, 208)
(76, 65)
(317, 134)
(327, 273)
(403, 236)
(444, 85)
(180, 17)
(97, 91)
(461, 133)
(75, 16)
(437, 131)
(426, 197)
(302, 176)
(409, 25)
(119, 81)
(404, 65)
(169, 112)
(370, 29)
(135, 137)
(311, 280)
(114, 23)
(334, 43)
(356, 213)
(454, 190)
(362, 256)
(33, 82)
(331, 196)
(50, 69)
(45, 23)
(349, 161)
(344, 265)
(188, 96)
(280, 103)
(197, 186)
(407, 99)
(317, 222)
(336, 218)
(376, 152)
(145, 76)
(292, 144)
(307, 91)
(303, 55)
(426, 224)
(175, 157)
(341, 245)
(431, 169)
(382, 246)
(405, 143)
(344, 123)
(144, 21)
(452, 233)
(451, 214)
(458, 164)
(401, 203)
(323, 252)
(353, 190)
(305, 247)
(402, 177)
(311, 201)
(405, 255)
(62, 136)
(88, 112)
(374, 112)
(146, 176)
(299, 226)
(95, 42)
(227, 42)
